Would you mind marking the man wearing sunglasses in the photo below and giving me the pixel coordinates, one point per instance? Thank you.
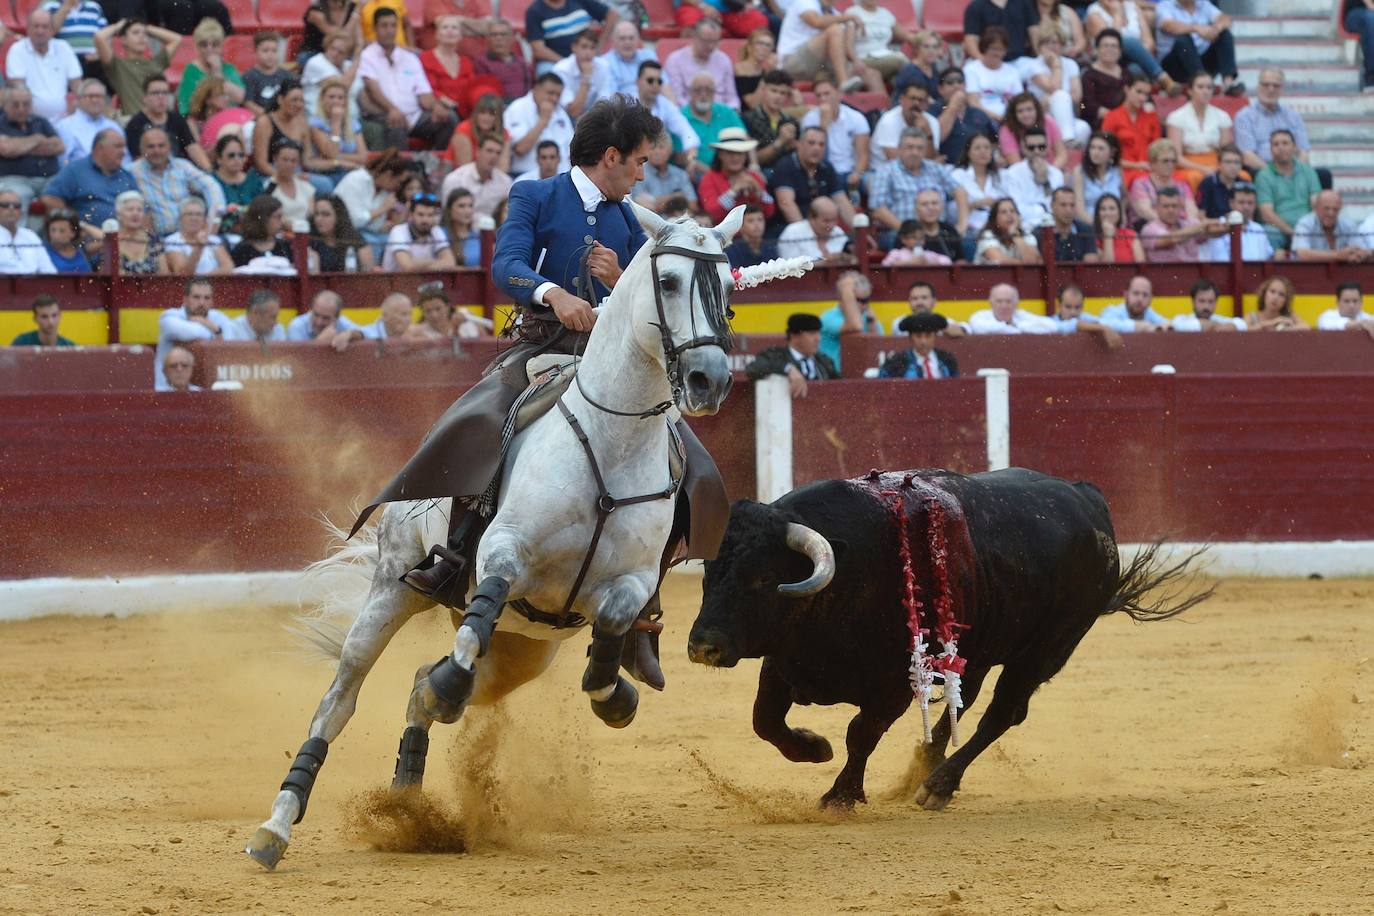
(1032, 182)
(419, 243)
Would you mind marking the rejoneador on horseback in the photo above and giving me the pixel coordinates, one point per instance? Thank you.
(560, 487)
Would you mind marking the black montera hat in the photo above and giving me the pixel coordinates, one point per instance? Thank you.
(923, 323)
(802, 321)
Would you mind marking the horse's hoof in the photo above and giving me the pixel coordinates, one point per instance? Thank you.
(931, 801)
(266, 848)
(618, 710)
(446, 691)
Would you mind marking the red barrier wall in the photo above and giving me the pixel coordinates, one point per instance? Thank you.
(128, 483)
(1292, 353)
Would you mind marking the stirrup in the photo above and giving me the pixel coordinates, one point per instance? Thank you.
(441, 576)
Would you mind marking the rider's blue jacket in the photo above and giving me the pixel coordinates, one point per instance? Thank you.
(547, 234)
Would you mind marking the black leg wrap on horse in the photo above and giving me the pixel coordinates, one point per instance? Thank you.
(485, 610)
(410, 758)
(451, 684)
(603, 660)
(301, 778)
(618, 710)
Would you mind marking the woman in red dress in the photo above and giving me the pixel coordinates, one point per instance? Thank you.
(447, 70)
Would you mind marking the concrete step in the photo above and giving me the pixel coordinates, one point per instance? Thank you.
(1333, 106)
(1285, 52)
(1302, 28)
(1342, 157)
(1280, 8)
(1341, 132)
(1310, 78)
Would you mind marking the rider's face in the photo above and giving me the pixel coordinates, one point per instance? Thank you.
(623, 172)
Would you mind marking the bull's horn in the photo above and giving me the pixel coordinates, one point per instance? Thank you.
(803, 540)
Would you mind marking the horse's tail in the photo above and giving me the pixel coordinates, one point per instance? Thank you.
(341, 581)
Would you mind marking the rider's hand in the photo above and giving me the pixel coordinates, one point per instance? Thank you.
(603, 264)
(573, 311)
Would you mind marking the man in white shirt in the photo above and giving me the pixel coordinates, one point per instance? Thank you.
(1204, 315)
(1254, 241)
(194, 319)
(537, 117)
(910, 112)
(397, 100)
(324, 322)
(846, 131)
(548, 163)
(624, 58)
(398, 314)
(1004, 316)
(21, 250)
(177, 367)
(79, 128)
(419, 243)
(259, 322)
(1349, 314)
(1326, 235)
(650, 91)
(1031, 183)
(488, 184)
(802, 238)
(47, 65)
(811, 39)
(586, 77)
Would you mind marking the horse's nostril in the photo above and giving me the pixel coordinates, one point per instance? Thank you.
(698, 383)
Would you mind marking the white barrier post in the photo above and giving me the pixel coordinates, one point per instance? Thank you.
(772, 437)
(998, 386)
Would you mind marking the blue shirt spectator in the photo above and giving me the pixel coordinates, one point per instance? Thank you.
(1119, 318)
(89, 186)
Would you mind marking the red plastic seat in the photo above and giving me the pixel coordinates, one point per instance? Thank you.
(241, 14)
(943, 17)
(8, 19)
(513, 11)
(283, 15)
(185, 54)
(22, 8)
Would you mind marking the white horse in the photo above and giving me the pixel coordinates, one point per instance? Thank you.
(646, 357)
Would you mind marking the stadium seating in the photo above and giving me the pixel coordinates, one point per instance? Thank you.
(283, 15)
(945, 18)
(244, 17)
(185, 54)
(513, 11)
(238, 50)
(8, 19)
(22, 8)
(662, 20)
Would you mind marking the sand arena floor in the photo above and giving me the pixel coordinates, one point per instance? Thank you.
(1217, 765)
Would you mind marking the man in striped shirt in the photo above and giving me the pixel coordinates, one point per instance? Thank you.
(76, 22)
(551, 26)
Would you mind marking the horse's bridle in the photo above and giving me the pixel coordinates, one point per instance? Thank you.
(672, 352)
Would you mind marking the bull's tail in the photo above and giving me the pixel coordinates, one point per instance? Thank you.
(1169, 584)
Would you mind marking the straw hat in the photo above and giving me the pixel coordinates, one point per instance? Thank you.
(735, 140)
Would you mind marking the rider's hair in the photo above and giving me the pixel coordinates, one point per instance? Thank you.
(618, 123)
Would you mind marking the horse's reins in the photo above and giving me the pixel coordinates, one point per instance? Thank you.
(703, 276)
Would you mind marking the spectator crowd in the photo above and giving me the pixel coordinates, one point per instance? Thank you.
(390, 146)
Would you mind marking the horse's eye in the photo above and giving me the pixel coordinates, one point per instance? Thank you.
(668, 284)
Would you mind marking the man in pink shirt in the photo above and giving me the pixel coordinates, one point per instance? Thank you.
(702, 55)
(1172, 236)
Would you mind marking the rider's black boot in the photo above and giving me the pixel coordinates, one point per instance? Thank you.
(442, 576)
(640, 656)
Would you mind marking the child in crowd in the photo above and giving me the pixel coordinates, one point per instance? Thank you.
(908, 249)
(262, 80)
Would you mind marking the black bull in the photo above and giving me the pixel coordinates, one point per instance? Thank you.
(1031, 561)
